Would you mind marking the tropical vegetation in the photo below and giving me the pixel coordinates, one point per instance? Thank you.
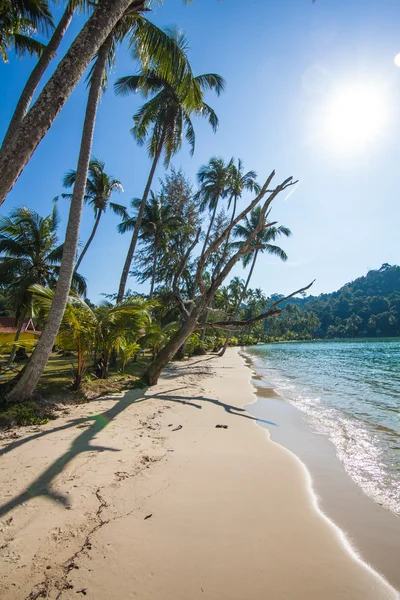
(183, 240)
(369, 306)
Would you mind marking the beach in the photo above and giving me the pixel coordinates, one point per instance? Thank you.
(174, 492)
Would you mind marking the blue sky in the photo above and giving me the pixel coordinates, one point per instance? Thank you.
(288, 64)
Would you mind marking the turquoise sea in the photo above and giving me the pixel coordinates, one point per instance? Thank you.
(350, 391)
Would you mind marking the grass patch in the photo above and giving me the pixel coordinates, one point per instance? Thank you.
(54, 389)
(27, 413)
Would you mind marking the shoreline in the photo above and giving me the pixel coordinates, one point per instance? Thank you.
(368, 526)
(143, 496)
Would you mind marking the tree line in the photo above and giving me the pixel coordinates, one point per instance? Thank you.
(369, 306)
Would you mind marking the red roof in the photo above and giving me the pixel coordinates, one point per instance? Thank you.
(7, 325)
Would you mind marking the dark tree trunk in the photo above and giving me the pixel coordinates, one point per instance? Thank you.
(167, 353)
(209, 229)
(203, 333)
(28, 378)
(135, 234)
(243, 294)
(153, 274)
(90, 240)
(17, 153)
(31, 85)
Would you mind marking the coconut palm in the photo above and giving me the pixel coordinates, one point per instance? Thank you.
(99, 187)
(236, 287)
(164, 120)
(19, 20)
(158, 223)
(261, 243)
(29, 255)
(238, 183)
(213, 179)
(146, 41)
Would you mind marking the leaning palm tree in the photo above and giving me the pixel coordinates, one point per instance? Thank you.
(99, 187)
(164, 120)
(261, 243)
(29, 255)
(158, 223)
(153, 47)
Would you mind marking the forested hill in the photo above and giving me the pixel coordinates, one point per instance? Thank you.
(367, 306)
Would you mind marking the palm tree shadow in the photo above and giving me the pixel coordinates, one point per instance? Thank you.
(42, 485)
(229, 408)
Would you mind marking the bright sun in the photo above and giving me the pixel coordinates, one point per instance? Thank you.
(355, 117)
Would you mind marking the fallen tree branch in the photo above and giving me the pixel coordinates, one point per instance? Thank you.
(271, 312)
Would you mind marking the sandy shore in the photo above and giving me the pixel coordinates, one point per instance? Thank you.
(144, 497)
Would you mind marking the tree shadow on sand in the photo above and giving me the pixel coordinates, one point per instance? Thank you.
(229, 408)
(42, 485)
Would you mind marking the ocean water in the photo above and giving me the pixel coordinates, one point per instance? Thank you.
(350, 391)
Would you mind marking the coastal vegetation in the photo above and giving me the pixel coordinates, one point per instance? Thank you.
(369, 306)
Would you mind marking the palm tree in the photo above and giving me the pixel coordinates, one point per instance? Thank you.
(261, 243)
(99, 187)
(19, 20)
(238, 183)
(16, 33)
(147, 41)
(29, 255)
(158, 222)
(213, 179)
(164, 119)
(236, 287)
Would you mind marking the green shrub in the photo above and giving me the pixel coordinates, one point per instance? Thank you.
(28, 413)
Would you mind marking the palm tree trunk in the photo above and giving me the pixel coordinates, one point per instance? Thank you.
(31, 85)
(203, 333)
(225, 251)
(28, 378)
(170, 349)
(153, 275)
(18, 333)
(90, 240)
(221, 262)
(17, 153)
(135, 234)
(242, 296)
(209, 229)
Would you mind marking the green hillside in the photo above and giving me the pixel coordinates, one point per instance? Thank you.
(368, 306)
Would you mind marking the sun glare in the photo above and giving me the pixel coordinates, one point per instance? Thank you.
(397, 60)
(355, 118)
